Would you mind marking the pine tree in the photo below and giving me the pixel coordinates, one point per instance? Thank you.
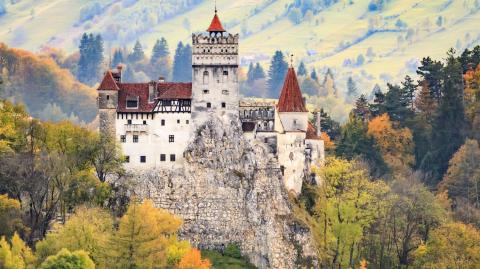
(117, 58)
(137, 53)
(409, 89)
(160, 50)
(449, 124)
(431, 72)
(276, 74)
(397, 105)
(251, 74)
(182, 63)
(83, 63)
(352, 91)
(313, 75)
(362, 109)
(91, 58)
(302, 70)
(259, 73)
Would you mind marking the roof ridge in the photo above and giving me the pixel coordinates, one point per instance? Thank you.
(291, 99)
(108, 82)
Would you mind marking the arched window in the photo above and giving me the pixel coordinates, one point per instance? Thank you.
(205, 77)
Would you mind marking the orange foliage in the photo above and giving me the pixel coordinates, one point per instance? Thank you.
(38, 80)
(396, 145)
(193, 260)
(329, 145)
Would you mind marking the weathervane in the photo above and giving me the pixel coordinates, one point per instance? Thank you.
(291, 60)
(215, 6)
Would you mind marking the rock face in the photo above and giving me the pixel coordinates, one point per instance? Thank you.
(232, 192)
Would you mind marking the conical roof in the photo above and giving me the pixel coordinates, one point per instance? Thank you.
(108, 82)
(216, 25)
(291, 99)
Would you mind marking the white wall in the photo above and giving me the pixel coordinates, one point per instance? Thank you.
(294, 121)
(155, 140)
(291, 154)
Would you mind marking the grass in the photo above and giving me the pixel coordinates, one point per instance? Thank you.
(220, 261)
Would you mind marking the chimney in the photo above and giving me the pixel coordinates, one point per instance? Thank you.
(119, 71)
(161, 79)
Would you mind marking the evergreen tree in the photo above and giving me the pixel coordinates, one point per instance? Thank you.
(431, 72)
(160, 50)
(182, 63)
(352, 91)
(91, 58)
(328, 125)
(409, 89)
(378, 106)
(137, 53)
(362, 109)
(83, 63)
(117, 58)
(251, 74)
(302, 70)
(259, 73)
(449, 124)
(313, 75)
(397, 105)
(276, 74)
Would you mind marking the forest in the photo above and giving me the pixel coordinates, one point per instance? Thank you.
(399, 188)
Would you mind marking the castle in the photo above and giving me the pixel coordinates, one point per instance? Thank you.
(154, 122)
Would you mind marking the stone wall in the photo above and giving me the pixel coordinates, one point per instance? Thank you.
(232, 192)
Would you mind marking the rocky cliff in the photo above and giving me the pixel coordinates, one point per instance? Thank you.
(231, 191)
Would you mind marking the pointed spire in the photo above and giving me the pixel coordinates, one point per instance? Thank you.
(216, 25)
(291, 99)
(108, 83)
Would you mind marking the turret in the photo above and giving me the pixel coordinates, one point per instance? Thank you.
(107, 103)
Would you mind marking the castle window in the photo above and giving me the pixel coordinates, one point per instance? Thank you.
(163, 157)
(127, 159)
(143, 159)
(178, 121)
(132, 103)
(209, 105)
(224, 105)
(187, 121)
(123, 138)
(206, 91)
(129, 121)
(225, 73)
(205, 77)
(172, 157)
(162, 122)
(108, 97)
(135, 138)
(225, 92)
(144, 122)
(171, 138)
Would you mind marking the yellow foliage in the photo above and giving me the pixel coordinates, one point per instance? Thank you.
(65, 259)
(17, 255)
(396, 145)
(329, 145)
(10, 220)
(193, 260)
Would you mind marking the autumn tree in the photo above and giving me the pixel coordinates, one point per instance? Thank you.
(453, 245)
(88, 229)
(65, 259)
(143, 236)
(10, 216)
(193, 260)
(395, 145)
(16, 255)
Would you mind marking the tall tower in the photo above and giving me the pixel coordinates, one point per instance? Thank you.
(215, 73)
(107, 102)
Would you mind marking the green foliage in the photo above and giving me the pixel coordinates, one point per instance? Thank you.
(220, 261)
(232, 250)
(65, 259)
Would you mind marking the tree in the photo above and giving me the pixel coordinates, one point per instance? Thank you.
(137, 53)
(10, 216)
(251, 74)
(449, 123)
(396, 145)
(313, 75)
(117, 58)
(143, 236)
(88, 229)
(362, 109)
(352, 91)
(409, 89)
(259, 73)
(302, 70)
(193, 260)
(329, 126)
(91, 58)
(3, 7)
(182, 63)
(453, 245)
(462, 180)
(65, 259)
(160, 50)
(105, 157)
(276, 74)
(431, 72)
(397, 105)
(16, 255)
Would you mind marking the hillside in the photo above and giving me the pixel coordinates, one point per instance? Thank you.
(349, 36)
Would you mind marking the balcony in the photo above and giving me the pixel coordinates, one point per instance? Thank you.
(136, 128)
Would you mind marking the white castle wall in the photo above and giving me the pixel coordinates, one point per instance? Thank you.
(291, 155)
(153, 138)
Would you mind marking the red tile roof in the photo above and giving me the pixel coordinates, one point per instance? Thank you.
(312, 132)
(108, 82)
(216, 25)
(291, 99)
(171, 90)
(167, 90)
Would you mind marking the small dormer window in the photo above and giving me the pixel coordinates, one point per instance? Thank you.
(132, 103)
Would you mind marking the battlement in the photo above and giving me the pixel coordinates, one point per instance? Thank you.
(214, 39)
